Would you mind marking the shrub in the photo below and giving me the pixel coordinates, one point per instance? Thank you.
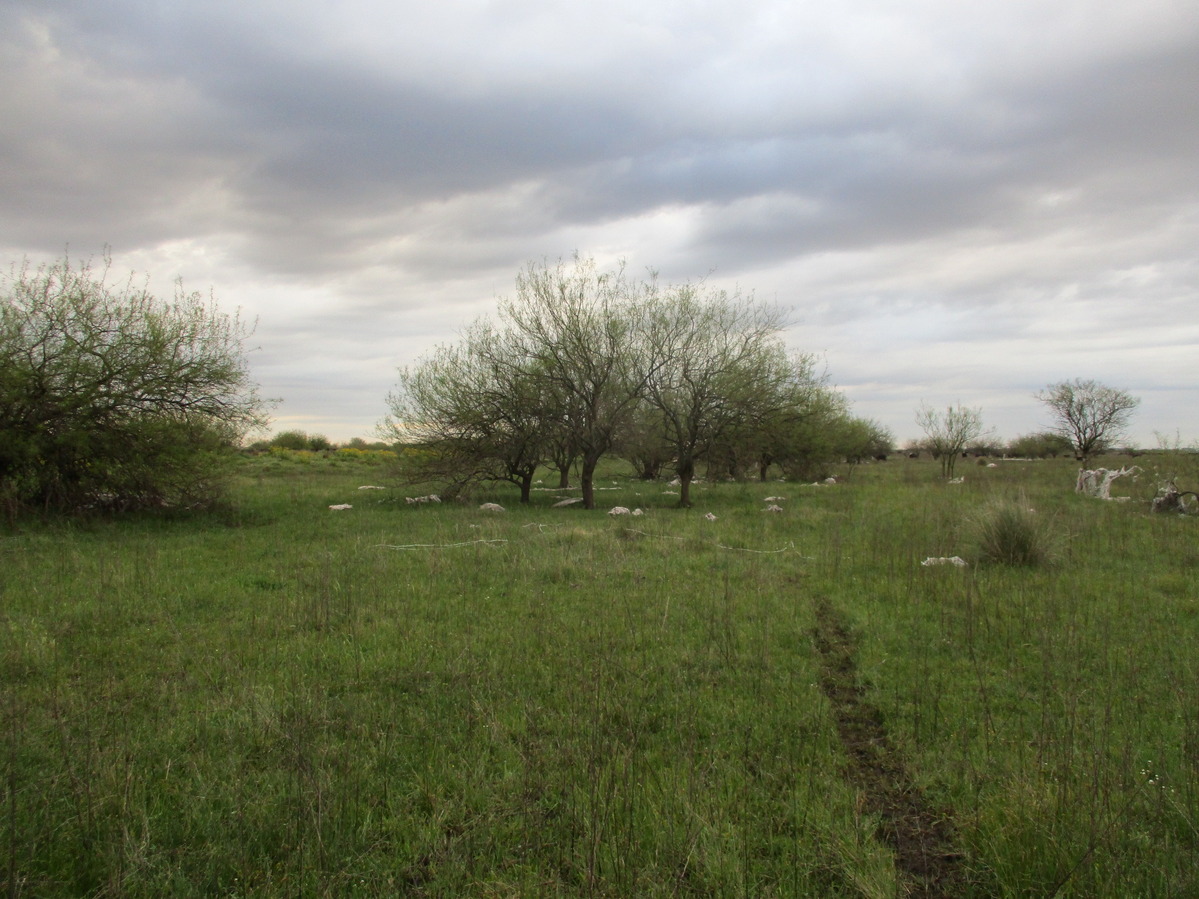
(1042, 445)
(301, 441)
(110, 396)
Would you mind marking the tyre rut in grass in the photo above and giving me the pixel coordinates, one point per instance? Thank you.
(920, 835)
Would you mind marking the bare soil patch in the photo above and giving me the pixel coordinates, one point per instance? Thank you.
(920, 835)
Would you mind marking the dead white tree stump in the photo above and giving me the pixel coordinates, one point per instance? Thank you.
(1170, 499)
(1098, 482)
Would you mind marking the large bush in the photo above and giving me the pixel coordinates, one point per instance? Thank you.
(110, 396)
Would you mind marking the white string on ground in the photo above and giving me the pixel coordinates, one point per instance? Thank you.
(659, 536)
(439, 545)
(790, 547)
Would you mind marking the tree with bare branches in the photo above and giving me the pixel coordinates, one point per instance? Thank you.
(946, 434)
(1092, 416)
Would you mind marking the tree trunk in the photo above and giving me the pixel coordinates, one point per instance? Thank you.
(526, 487)
(587, 479)
(564, 476)
(686, 472)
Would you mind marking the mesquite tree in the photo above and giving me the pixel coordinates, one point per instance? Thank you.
(581, 362)
(1092, 416)
(474, 411)
(110, 396)
(946, 435)
(713, 363)
(580, 329)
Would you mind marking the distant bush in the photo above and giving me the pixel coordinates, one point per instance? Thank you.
(986, 445)
(1045, 445)
(1008, 532)
(300, 441)
(356, 454)
(359, 444)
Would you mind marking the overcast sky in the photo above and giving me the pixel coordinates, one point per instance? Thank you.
(957, 202)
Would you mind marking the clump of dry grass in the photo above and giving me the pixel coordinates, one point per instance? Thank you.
(1009, 532)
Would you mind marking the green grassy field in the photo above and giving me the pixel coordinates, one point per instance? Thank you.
(430, 700)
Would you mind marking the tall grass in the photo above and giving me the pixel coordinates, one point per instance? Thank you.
(278, 700)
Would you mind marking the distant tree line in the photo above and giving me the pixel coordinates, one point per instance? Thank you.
(581, 363)
(297, 440)
(113, 398)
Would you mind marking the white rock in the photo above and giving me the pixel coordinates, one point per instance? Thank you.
(618, 510)
(710, 517)
(341, 507)
(491, 507)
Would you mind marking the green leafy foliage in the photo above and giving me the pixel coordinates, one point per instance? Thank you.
(109, 396)
(1042, 445)
(582, 363)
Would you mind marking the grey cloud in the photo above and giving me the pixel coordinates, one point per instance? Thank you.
(398, 162)
(305, 133)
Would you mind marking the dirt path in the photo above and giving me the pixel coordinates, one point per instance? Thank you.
(920, 835)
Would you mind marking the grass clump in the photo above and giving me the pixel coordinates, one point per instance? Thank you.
(1009, 532)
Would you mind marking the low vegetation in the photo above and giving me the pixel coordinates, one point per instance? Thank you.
(276, 699)
(1010, 532)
